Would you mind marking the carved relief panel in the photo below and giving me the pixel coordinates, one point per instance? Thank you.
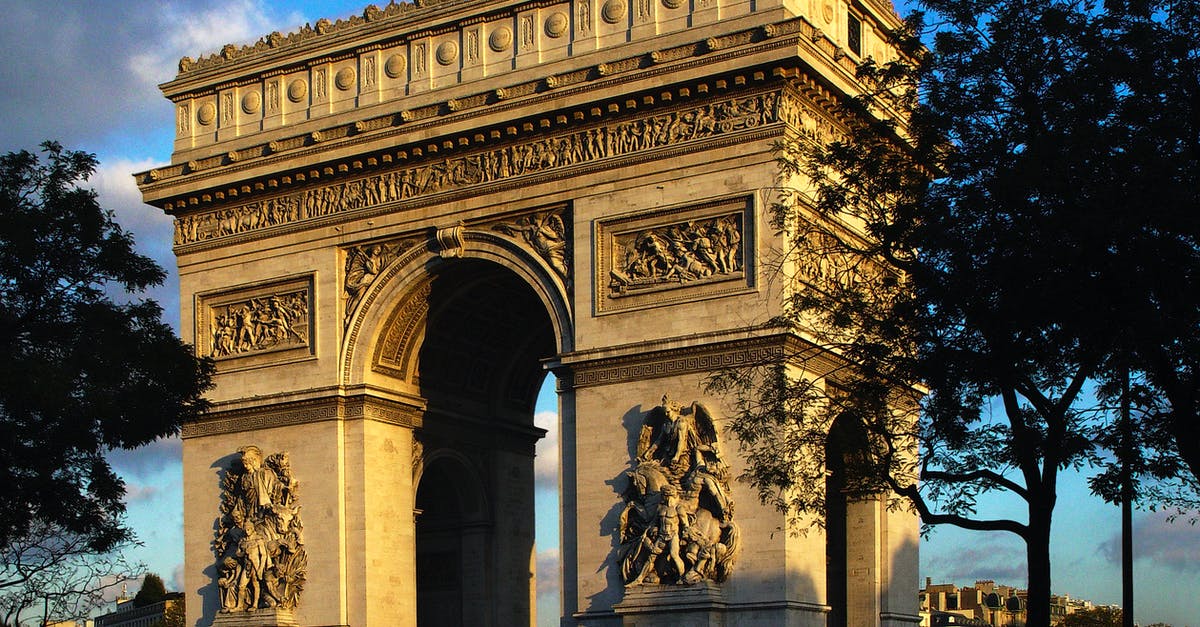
(673, 255)
(256, 323)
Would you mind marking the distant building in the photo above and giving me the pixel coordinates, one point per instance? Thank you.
(128, 615)
(952, 619)
(986, 603)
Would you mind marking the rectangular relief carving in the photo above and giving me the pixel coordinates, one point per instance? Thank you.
(257, 323)
(675, 254)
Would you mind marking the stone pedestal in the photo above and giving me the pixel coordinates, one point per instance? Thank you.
(700, 605)
(258, 618)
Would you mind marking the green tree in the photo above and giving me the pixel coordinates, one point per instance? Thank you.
(151, 592)
(86, 366)
(1007, 229)
(175, 615)
(1094, 617)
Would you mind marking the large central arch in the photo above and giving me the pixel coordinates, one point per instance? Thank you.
(390, 228)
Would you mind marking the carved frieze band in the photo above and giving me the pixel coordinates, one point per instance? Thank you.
(699, 359)
(544, 155)
(254, 320)
(676, 254)
(304, 412)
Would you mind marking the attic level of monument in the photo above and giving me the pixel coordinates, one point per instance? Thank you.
(597, 135)
(374, 21)
(246, 118)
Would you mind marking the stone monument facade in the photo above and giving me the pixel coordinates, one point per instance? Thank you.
(390, 227)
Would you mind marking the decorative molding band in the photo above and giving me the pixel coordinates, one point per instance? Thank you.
(901, 618)
(758, 351)
(644, 134)
(304, 412)
(656, 365)
(268, 417)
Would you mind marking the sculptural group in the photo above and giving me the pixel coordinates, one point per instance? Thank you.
(677, 526)
(260, 324)
(261, 561)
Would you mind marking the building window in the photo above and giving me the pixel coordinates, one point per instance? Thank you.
(854, 34)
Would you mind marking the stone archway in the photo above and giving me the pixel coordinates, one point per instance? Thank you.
(479, 368)
(854, 525)
(389, 227)
(452, 523)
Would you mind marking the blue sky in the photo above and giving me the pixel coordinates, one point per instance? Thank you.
(85, 73)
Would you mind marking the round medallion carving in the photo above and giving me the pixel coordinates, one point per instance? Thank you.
(394, 66)
(251, 103)
(297, 90)
(447, 52)
(500, 39)
(672, 4)
(827, 11)
(613, 11)
(344, 79)
(206, 114)
(556, 25)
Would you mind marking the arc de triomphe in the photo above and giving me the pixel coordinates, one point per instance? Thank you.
(390, 227)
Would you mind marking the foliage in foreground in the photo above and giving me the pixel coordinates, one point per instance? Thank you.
(994, 277)
(85, 367)
(58, 576)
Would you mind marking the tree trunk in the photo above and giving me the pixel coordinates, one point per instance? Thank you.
(1037, 551)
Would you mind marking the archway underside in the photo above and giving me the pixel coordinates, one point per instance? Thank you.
(479, 368)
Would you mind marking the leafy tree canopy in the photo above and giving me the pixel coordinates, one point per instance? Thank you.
(1094, 617)
(1000, 249)
(151, 592)
(81, 372)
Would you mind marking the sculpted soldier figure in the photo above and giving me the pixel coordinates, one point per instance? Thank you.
(677, 526)
(261, 560)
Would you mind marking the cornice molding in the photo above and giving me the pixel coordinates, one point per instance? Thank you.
(542, 91)
(276, 415)
(574, 151)
(578, 371)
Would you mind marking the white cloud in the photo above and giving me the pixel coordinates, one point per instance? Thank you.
(135, 492)
(150, 460)
(548, 561)
(194, 33)
(176, 582)
(999, 558)
(88, 74)
(545, 465)
(1173, 545)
